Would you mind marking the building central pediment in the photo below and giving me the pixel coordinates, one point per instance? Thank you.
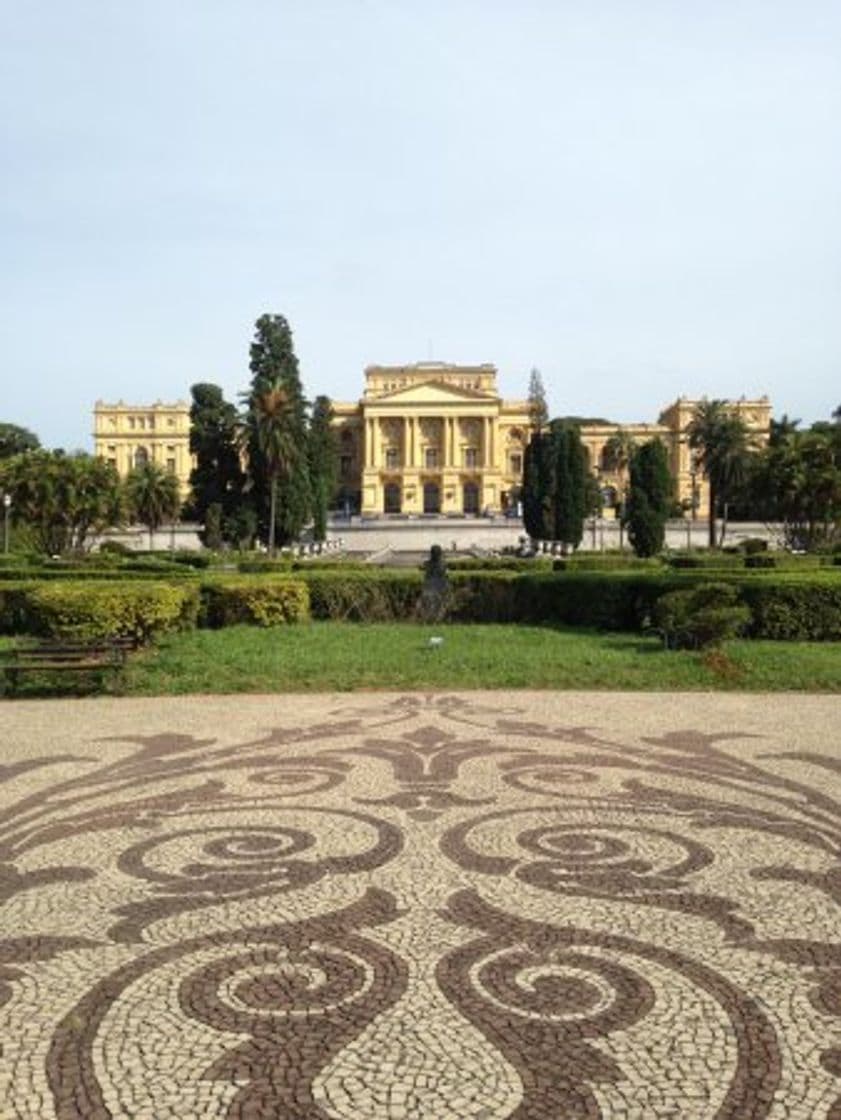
(431, 393)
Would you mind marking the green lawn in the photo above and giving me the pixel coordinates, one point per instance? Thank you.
(324, 656)
(343, 656)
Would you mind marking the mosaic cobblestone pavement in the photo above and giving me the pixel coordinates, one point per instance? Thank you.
(448, 906)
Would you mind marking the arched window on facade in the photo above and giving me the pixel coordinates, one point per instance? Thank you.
(392, 501)
(141, 458)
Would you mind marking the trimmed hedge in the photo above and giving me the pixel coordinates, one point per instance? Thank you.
(499, 563)
(369, 596)
(607, 562)
(92, 611)
(803, 605)
(260, 602)
(75, 575)
(788, 609)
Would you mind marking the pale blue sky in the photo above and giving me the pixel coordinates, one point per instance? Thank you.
(641, 199)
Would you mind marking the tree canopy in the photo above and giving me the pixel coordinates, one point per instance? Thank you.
(61, 499)
(14, 440)
(538, 409)
(152, 496)
(322, 453)
(218, 478)
(276, 392)
(722, 445)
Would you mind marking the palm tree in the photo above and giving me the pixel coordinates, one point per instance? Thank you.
(721, 442)
(616, 456)
(153, 496)
(269, 426)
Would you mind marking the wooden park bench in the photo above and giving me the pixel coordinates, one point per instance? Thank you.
(101, 658)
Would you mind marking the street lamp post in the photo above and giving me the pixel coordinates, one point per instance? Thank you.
(7, 506)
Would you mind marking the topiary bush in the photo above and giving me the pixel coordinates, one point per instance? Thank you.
(91, 611)
(701, 616)
(258, 602)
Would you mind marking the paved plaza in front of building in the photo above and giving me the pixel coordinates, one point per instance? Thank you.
(474, 905)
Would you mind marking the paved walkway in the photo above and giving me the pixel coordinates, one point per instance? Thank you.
(458, 906)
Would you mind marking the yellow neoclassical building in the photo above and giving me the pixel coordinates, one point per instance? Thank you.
(430, 438)
(130, 435)
(437, 438)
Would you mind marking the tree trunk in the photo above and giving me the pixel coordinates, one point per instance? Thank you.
(711, 533)
(723, 527)
(272, 515)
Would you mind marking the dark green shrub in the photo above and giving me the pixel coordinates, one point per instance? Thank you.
(760, 560)
(260, 602)
(114, 548)
(806, 608)
(90, 611)
(751, 545)
(701, 616)
(198, 560)
(14, 616)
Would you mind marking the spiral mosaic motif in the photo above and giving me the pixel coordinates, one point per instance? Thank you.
(421, 907)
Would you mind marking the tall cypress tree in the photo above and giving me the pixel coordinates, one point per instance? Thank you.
(538, 486)
(554, 485)
(217, 478)
(274, 366)
(569, 490)
(323, 463)
(649, 498)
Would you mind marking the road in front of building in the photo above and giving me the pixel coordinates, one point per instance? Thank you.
(446, 906)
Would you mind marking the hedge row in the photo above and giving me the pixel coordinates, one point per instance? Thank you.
(90, 611)
(79, 575)
(258, 602)
(804, 606)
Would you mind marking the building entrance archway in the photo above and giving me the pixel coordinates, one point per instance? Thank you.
(470, 497)
(392, 501)
(431, 497)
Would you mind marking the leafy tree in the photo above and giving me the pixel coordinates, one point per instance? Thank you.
(241, 527)
(15, 440)
(152, 496)
(797, 482)
(61, 499)
(723, 447)
(323, 463)
(218, 478)
(649, 498)
(538, 409)
(781, 429)
(617, 455)
(274, 367)
(273, 434)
